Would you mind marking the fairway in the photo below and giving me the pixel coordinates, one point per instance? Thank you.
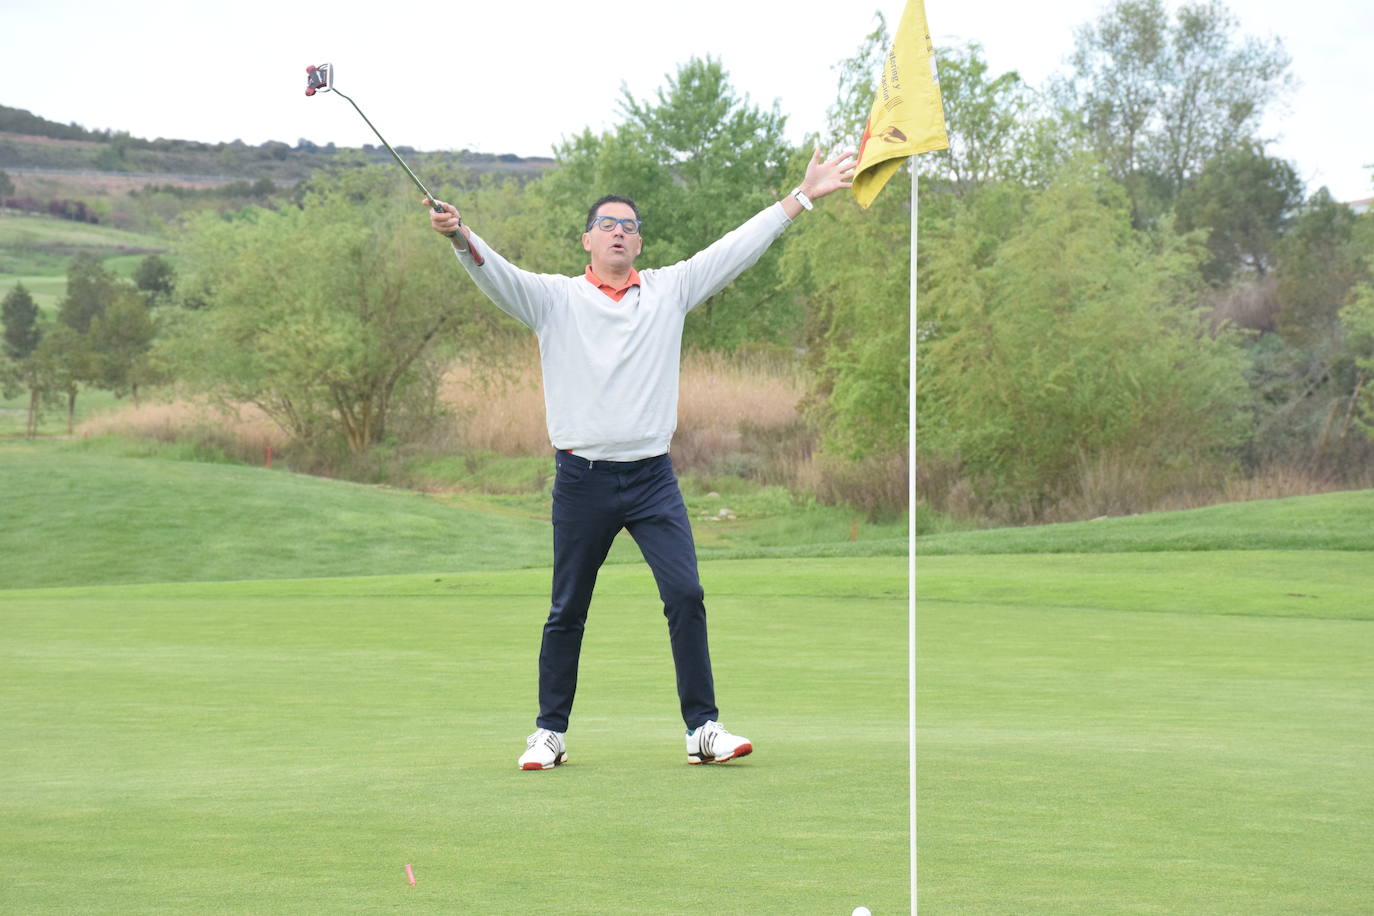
(1148, 732)
(290, 746)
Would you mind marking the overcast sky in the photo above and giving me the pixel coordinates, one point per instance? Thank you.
(517, 77)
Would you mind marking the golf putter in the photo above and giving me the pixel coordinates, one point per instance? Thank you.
(321, 79)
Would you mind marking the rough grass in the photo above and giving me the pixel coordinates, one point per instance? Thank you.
(739, 419)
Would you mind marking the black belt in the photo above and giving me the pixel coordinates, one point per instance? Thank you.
(601, 464)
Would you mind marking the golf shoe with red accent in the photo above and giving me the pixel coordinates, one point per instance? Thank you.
(711, 743)
(544, 751)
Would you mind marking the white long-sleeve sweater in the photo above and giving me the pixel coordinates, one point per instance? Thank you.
(611, 368)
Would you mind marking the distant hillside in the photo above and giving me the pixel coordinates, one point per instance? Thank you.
(30, 144)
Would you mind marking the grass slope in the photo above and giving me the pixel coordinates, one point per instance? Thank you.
(1154, 730)
(32, 246)
(69, 516)
(1331, 521)
(289, 747)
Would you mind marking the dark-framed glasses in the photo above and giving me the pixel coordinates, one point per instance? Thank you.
(608, 223)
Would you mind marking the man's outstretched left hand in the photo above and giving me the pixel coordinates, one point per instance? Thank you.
(824, 177)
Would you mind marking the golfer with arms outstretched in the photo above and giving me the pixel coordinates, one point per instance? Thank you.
(610, 346)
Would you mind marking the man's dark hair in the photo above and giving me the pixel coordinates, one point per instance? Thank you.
(609, 199)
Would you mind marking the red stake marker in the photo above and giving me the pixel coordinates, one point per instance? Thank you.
(411, 875)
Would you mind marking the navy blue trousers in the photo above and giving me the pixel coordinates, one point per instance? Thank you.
(592, 502)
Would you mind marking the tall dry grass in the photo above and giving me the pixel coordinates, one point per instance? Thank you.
(244, 433)
(738, 416)
(733, 412)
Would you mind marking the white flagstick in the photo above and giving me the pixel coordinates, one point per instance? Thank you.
(911, 528)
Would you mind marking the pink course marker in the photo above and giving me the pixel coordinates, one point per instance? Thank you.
(411, 875)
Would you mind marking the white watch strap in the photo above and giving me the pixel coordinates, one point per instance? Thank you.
(802, 199)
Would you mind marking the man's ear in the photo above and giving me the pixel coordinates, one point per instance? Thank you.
(586, 241)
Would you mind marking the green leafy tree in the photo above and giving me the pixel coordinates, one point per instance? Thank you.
(1062, 337)
(155, 277)
(848, 114)
(850, 267)
(90, 289)
(997, 131)
(1244, 200)
(1320, 262)
(1158, 98)
(6, 185)
(1358, 318)
(323, 315)
(19, 314)
(22, 333)
(698, 160)
(55, 372)
(120, 340)
(1308, 378)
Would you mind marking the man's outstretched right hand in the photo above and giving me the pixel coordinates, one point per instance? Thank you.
(447, 222)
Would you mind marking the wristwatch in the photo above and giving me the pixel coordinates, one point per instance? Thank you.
(802, 198)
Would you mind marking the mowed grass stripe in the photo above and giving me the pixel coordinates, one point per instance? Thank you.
(212, 751)
(1300, 583)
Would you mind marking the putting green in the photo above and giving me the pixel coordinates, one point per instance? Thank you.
(288, 747)
(1146, 733)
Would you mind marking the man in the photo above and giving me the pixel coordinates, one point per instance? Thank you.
(610, 347)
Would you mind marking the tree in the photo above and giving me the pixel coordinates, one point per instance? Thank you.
(1157, 100)
(155, 277)
(1358, 318)
(848, 114)
(119, 340)
(996, 132)
(90, 289)
(1055, 336)
(21, 338)
(1244, 200)
(19, 314)
(698, 160)
(1320, 261)
(1309, 377)
(322, 315)
(850, 267)
(6, 185)
(56, 369)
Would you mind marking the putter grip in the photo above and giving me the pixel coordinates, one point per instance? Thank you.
(476, 258)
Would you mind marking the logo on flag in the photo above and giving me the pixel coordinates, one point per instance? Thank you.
(907, 117)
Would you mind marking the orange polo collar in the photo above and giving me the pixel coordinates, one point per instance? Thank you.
(613, 292)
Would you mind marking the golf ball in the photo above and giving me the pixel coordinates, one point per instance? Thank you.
(861, 911)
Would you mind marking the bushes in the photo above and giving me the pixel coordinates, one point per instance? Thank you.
(1065, 339)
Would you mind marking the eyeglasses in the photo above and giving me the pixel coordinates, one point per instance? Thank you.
(607, 223)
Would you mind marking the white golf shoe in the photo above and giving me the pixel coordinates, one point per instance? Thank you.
(545, 750)
(711, 743)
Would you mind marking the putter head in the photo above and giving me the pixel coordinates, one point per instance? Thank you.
(319, 79)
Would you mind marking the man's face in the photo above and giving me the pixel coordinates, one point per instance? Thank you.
(616, 248)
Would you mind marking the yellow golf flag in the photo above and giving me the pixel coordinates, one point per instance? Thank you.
(907, 116)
